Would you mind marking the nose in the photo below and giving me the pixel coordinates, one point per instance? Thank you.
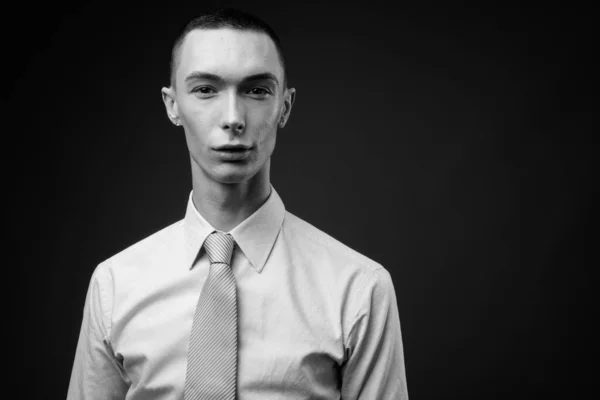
(233, 119)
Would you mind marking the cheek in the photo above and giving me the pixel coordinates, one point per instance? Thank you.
(273, 117)
(198, 123)
(195, 117)
(268, 126)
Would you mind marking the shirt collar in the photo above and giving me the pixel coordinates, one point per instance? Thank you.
(255, 236)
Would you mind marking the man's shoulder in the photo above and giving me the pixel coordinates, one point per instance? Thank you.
(151, 247)
(316, 243)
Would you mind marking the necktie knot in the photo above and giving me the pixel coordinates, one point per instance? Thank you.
(219, 247)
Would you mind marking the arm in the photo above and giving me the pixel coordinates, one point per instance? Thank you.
(374, 367)
(96, 374)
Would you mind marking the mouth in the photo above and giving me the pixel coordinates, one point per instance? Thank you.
(233, 147)
(233, 152)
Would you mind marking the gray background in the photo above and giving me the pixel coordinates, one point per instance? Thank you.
(449, 144)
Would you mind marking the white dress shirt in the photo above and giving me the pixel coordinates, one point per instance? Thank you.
(317, 320)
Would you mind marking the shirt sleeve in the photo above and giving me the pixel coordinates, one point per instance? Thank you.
(96, 373)
(374, 367)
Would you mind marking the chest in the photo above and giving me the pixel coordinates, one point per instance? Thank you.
(289, 340)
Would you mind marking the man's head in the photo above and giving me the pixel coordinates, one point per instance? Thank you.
(225, 18)
(228, 90)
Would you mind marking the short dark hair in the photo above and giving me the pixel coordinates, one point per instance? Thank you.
(225, 18)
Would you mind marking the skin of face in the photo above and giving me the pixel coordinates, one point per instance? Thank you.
(229, 91)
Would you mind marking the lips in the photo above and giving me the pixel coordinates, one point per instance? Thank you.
(233, 152)
(233, 147)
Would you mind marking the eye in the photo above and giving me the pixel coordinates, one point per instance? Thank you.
(204, 90)
(259, 91)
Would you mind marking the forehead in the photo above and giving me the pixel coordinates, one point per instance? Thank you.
(230, 53)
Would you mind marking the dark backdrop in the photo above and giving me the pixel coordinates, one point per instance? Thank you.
(448, 144)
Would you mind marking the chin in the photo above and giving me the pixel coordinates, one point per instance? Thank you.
(233, 174)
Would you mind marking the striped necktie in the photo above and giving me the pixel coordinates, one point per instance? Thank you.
(212, 355)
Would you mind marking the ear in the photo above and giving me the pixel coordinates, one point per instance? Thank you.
(168, 96)
(288, 102)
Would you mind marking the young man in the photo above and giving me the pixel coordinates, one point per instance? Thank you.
(239, 299)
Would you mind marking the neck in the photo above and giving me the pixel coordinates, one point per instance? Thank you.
(226, 205)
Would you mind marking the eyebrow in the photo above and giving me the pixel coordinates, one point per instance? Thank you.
(216, 78)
